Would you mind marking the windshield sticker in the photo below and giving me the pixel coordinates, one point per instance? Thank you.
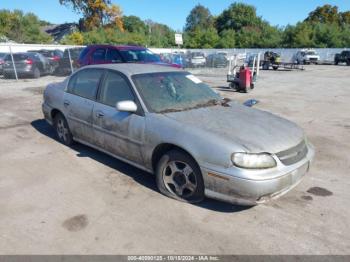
(194, 79)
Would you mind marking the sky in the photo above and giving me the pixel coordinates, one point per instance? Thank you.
(174, 12)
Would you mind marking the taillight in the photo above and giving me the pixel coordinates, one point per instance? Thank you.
(2, 62)
(56, 58)
(28, 61)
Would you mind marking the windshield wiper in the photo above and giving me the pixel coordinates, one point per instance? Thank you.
(211, 102)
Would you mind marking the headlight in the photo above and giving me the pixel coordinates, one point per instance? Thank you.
(253, 161)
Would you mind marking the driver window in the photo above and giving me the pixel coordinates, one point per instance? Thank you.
(115, 89)
(99, 55)
(114, 56)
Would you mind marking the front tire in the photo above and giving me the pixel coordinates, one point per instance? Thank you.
(178, 176)
(62, 130)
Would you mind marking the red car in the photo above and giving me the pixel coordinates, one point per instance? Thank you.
(108, 54)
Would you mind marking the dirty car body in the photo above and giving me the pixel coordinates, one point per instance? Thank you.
(223, 138)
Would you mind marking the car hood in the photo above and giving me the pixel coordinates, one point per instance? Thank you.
(253, 129)
(162, 64)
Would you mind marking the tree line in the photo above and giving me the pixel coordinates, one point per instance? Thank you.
(238, 26)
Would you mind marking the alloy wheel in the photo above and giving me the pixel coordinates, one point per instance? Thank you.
(179, 179)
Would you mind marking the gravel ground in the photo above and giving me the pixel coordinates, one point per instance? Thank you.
(60, 200)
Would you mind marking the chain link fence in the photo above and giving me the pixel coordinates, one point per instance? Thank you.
(15, 61)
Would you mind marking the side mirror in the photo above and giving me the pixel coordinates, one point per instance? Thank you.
(126, 106)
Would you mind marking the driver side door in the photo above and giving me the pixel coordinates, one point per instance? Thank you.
(119, 133)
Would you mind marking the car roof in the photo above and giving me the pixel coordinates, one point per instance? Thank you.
(119, 47)
(130, 69)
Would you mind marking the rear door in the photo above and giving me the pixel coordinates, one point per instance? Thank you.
(79, 100)
(120, 133)
(98, 56)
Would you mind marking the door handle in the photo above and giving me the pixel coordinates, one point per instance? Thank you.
(66, 103)
(100, 114)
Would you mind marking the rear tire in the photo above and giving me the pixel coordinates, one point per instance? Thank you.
(36, 73)
(178, 176)
(63, 132)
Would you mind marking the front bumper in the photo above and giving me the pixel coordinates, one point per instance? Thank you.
(46, 109)
(251, 187)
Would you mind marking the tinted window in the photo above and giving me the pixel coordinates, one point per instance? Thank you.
(99, 54)
(17, 57)
(85, 83)
(115, 89)
(139, 55)
(83, 53)
(114, 56)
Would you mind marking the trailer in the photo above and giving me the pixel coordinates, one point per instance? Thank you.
(273, 60)
(266, 65)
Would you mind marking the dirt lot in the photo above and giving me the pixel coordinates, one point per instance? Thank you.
(60, 200)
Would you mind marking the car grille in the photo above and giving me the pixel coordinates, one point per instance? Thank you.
(313, 59)
(293, 154)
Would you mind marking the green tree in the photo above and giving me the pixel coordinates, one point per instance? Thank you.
(134, 24)
(22, 28)
(324, 14)
(199, 30)
(327, 35)
(227, 39)
(199, 17)
(160, 35)
(236, 17)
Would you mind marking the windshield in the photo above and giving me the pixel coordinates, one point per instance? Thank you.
(174, 91)
(311, 53)
(139, 55)
(197, 55)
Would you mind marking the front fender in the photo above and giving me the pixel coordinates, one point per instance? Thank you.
(205, 147)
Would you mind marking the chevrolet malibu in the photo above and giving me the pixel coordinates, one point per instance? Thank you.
(168, 122)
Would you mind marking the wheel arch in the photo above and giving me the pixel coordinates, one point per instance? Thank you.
(54, 113)
(161, 149)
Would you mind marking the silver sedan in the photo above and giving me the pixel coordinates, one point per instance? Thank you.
(168, 122)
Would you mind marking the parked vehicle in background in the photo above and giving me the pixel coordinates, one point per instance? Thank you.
(343, 57)
(27, 64)
(109, 54)
(197, 59)
(216, 60)
(271, 59)
(180, 59)
(168, 122)
(70, 57)
(308, 56)
(54, 56)
(2, 61)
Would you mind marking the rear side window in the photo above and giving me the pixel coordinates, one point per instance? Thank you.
(99, 54)
(85, 83)
(17, 57)
(82, 54)
(115, 89)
